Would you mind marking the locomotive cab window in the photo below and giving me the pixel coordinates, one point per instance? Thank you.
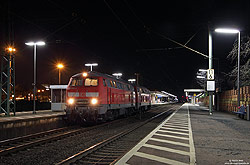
(91, 82)
(76, 81)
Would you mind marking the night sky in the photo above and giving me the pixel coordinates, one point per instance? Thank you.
(127, 36)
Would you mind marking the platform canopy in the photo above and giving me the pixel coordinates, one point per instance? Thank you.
(194, 90)
(58, 86)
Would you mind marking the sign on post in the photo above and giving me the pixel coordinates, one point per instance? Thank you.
(210, 74)
(210, 85)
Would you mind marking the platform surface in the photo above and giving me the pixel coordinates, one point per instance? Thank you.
(192, 136)
(29, 115)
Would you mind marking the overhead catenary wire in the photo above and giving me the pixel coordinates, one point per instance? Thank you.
(163, 36)
(167, 75)
(131, 35)
(123, 24)
(148, 29)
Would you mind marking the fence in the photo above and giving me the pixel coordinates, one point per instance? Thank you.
(228, 99)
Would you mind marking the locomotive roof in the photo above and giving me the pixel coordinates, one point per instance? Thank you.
(98, 74)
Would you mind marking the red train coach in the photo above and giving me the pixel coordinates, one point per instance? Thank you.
(95, 96)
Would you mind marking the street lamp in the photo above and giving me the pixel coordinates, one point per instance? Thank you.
(117, 75)
(91, 65)
(131, 80)
(234, 31)
(39, 43)
(59, 66)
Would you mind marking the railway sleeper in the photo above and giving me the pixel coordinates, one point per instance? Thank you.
(105, 154)
(120, 147)
(86, 162)
(115, 149)
(112, 151)
(101, 159)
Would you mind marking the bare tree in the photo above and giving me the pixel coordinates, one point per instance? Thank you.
(244, 61)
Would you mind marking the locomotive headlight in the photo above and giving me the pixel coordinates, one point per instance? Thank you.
(85, 74)
(94, 101)
(71, 101)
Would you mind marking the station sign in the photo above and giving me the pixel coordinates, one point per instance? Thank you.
(210, 86)
(210, 74)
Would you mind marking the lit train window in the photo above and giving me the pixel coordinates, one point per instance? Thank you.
(76, 81)
(114, 84)
(91, 82)
(111, 82)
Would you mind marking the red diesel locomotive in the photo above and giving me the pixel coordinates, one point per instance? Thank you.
(95, 96)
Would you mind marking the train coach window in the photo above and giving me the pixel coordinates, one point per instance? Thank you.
(108, 83)
(123, 87)
(131, 88)
(91, 82)
(104, 82)
(119, 85)
(76, 82)
(114, 84)
(111, 83)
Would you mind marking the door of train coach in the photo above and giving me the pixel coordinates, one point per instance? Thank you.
(108, 92)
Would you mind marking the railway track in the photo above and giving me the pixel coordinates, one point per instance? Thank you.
(21, 143)
(111, 149)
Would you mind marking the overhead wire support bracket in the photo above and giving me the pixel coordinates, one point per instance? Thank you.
(7, 84)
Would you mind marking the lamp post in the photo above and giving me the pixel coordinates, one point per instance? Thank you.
(39, 43)
(59, 66)
(234, 31)
(91, 65)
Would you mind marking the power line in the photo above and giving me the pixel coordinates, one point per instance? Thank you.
(123, 24)
(148, 29)
(163, 36)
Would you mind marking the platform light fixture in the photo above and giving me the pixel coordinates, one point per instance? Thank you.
(91, 65)
(234, 31)
(117, 75)
(59, 66)
(226, 30)
(131, 80)
(10, 49)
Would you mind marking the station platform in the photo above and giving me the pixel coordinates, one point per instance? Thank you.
(192, 136)
(29, 115)
(24, 123)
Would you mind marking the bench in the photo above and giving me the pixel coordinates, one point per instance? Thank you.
(241, 112)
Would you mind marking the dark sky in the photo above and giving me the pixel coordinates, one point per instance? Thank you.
(123, 36)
